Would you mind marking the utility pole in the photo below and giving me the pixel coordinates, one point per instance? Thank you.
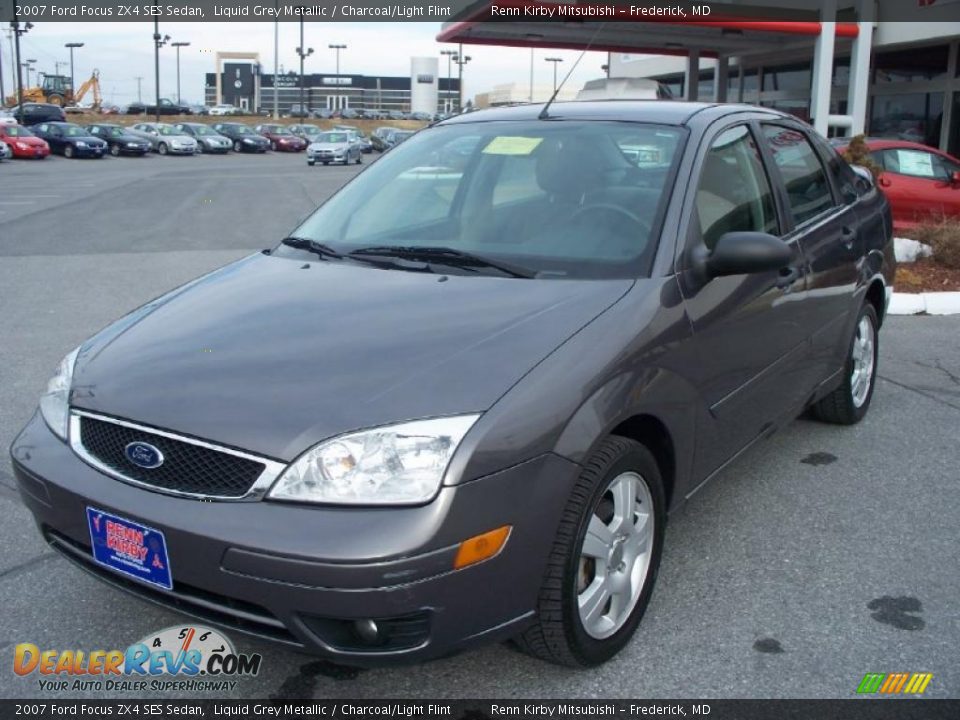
(276, 60)
(555, 61)
(179, 45)
(29, 66)
(139, 78)
(531, 75)
(303, 53)
(158, 42)
(71, 46)
(3, 92)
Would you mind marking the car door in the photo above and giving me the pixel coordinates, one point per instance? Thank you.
(919, 183)
(823, 219)
(53, 135)
(749, 341)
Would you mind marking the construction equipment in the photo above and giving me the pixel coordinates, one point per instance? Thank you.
(58, 90)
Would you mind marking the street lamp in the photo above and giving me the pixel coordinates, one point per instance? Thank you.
(448, 105)
(158, 42)
(179, 45)
(71, 46)
(29, 66)
(303, 53)
(554, 60)
(17, 32)
(460, 59)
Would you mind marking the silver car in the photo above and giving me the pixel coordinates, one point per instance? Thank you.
(208, 139)
(336, 146)
(166, 139)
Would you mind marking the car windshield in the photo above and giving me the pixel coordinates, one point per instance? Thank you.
(277, 130)
(116, 132)
(74, 131)
(202, 130)
(15, 131)
(168, 130)
(333, 137)
(559, 199)
(240, 129)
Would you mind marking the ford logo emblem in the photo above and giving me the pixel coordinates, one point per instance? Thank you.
(143, 455)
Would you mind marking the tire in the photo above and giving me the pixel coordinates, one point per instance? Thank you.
(848, 404)
(273, 146)
(162, 149)
(359, 159)
(237, 146)
(325, 164)
(68, 151)
(311, 163)
(199, 150)
(115, 150)
(560, 635)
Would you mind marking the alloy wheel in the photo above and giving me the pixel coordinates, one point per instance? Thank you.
(861, 375)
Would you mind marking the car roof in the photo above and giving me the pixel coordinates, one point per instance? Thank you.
(663, 112)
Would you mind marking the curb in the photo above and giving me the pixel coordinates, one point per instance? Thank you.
(930, 303)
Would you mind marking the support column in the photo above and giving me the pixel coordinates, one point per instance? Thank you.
(691, 78)
(721, 76)
(859, 88)
(823, 66)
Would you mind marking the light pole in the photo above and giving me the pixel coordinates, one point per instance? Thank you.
(17, 32)
(71, 46)
(460, 59)
(531, 74)
(179, 45)
(158, 42)
(555, 61)
(448, 105)
(276, 60)
(139, 78)
(338, 48)
(303, 53)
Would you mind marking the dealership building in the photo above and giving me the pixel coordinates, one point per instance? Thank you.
(241, 82)
(890, 68)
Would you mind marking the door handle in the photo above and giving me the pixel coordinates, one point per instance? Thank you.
(788, 276)
(847, 237)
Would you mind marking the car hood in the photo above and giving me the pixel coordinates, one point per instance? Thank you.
(32, 140)
(178, 138)
(273, 355)
(92, 139)
(329, 146)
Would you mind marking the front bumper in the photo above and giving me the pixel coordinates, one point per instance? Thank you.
(300, 575)
(182, 150)
(89, 151)
(31, 151)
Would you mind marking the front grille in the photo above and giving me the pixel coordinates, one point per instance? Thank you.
(186, 468)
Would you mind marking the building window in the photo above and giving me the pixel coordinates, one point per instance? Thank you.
(915, 64)
(788, 77)
(916, 117)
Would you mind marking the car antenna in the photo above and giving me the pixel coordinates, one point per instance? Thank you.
(545, 113)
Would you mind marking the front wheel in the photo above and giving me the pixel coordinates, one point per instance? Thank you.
(115, 150)
(311, 163)
(237, 146)
(68, 151)
(604, 561)
(848, 404)
(162, 149)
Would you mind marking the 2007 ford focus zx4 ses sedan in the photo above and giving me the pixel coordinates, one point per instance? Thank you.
(457, 404)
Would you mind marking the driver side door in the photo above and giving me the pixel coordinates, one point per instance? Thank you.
(749, 344)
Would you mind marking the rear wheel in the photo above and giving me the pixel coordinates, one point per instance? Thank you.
(604, 561)
(849, 403)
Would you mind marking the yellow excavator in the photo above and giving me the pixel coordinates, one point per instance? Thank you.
(58, 90)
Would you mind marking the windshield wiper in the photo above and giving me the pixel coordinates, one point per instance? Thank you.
(314, 246)
(444, 256)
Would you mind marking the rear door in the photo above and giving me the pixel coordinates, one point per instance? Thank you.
(749, 342)
(823, 219)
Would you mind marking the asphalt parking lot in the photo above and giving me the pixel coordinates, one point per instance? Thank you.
(821, 555)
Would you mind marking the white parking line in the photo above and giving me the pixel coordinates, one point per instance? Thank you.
(17, 202)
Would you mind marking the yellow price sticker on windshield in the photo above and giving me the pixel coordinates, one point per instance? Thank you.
(506, 145)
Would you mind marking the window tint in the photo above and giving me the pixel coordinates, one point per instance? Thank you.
(917, 163)
(803, 175)
(734, 193)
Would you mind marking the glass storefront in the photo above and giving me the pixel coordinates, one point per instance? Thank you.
(917, 117)
(916, 64)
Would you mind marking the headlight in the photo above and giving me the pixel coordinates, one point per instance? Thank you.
(81, 143)
(23, 146)
(55, 401)
(393, 465)
(248, 140)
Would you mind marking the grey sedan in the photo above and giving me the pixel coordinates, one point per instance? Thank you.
(208, 139)
(337, 146)
(166, 139)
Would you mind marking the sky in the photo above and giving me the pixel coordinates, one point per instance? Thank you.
(122, 51)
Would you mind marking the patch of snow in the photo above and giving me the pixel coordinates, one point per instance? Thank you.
(931, 303)
(907, 250)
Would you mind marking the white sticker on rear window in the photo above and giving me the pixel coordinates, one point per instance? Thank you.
(507, 145)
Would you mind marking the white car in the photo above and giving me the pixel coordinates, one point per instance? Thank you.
(222, 110)
(5, 152)
(8, 120)
(166, 139)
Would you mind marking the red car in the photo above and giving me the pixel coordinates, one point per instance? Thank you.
(23, 143)
(918, 180)
(281, 138)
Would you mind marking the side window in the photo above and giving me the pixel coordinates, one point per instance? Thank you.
(734, 193)
(917, 163)
(803, 175)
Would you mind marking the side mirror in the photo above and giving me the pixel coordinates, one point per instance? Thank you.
(865, 180)
(955, 178)
(738, 253)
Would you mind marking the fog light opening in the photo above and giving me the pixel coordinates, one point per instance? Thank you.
(368, 631)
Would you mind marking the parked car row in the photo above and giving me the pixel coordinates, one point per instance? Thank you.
(384, 138)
